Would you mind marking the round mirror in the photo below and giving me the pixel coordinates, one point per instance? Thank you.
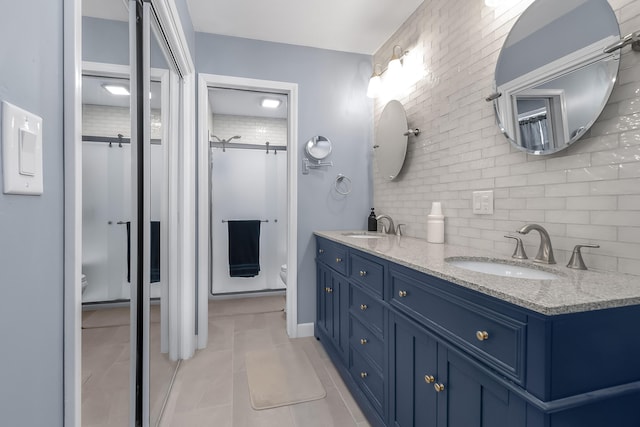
(391, 140)
(552, 77)
(318, 148)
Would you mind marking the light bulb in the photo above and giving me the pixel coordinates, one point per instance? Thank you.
(375, 83)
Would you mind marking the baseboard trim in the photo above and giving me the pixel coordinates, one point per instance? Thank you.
(305, 330)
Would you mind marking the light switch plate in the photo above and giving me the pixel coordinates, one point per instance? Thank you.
(21, 151)
(483, 202)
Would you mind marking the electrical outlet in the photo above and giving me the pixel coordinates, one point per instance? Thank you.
(483, 202)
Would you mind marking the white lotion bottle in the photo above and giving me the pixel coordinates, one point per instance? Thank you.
(435, 224)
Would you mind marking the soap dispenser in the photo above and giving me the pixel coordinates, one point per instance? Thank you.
(372, 222)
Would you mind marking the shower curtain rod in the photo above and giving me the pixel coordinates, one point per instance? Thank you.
(111, 139)
(225, 145)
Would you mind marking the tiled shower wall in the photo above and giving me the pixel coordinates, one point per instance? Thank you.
(101, 120)
(587, 193)
(253, 130)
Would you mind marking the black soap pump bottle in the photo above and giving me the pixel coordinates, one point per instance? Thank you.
(372, 222)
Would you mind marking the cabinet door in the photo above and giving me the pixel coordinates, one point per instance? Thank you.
(470, 398)
(339, 297)
(324, 304)
(333, 308)
(414, 365)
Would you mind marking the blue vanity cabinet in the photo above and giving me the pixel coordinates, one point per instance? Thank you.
(417, 350)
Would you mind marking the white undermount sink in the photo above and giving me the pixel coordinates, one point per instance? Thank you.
(363, 235)
(498, 268)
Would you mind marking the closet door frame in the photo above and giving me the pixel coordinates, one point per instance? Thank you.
(181, 196)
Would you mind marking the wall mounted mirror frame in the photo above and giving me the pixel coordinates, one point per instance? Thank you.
(554, 75)
(316, 150)
(391, 140)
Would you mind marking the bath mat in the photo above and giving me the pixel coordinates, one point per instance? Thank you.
(281, 376)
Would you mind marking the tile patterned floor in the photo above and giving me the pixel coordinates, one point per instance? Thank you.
(211, 388)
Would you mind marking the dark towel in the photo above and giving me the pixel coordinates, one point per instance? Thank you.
(244, 248)
(155, 251)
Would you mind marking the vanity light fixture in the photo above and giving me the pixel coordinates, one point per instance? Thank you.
(270, 103)
(394, 67)
(118, 90)
(375, 82)
(395, 64)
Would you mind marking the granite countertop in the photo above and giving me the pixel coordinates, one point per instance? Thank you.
(575, 290)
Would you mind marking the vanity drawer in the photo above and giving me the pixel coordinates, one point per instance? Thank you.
(366, 308)
(494, 337)
(369, 274)
(366, 342)
(332, 254)
(369, 379)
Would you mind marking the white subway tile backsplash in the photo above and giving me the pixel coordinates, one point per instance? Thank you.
(620, 218)
(629, 203)
(592, 203)
(587, 193)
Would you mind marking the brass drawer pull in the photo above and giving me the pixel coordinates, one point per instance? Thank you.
(320, 251)
(363, 341)
(363, 307)
(429, 379)
(439, 387)
(338, 259)
(482, 335)
(363, 273)
(363, 375)
(402, 294)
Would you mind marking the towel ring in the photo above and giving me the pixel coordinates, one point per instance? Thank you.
(347, 184)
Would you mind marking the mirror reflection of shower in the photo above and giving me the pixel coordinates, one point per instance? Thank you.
(246, 184)
(106, 193)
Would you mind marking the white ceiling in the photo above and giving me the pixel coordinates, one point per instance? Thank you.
(359, 26)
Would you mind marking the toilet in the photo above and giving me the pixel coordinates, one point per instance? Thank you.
(84, 282)
(283, 274)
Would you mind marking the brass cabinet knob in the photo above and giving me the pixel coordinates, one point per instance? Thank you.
(482, 335)
(329, 290)
(402, 294)
(429, 379)
(363, 307)
(363, 341)
(326, 289)
(363, 273)
(338, 259)
(439, 387)
(363, 375)
(320, 251)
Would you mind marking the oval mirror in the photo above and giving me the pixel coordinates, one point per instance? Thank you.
(552, 77)
(318, 148)
(391, 140)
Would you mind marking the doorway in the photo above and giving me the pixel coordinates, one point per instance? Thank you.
(209, 87)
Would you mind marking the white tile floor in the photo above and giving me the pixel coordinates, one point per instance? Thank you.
(211, 388)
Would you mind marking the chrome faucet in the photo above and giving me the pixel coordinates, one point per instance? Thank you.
(391, 229)
(545, 253)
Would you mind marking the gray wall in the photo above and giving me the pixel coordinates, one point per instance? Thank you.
(332, 102)
(187, 26)
(31, 227)
(107, 41)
